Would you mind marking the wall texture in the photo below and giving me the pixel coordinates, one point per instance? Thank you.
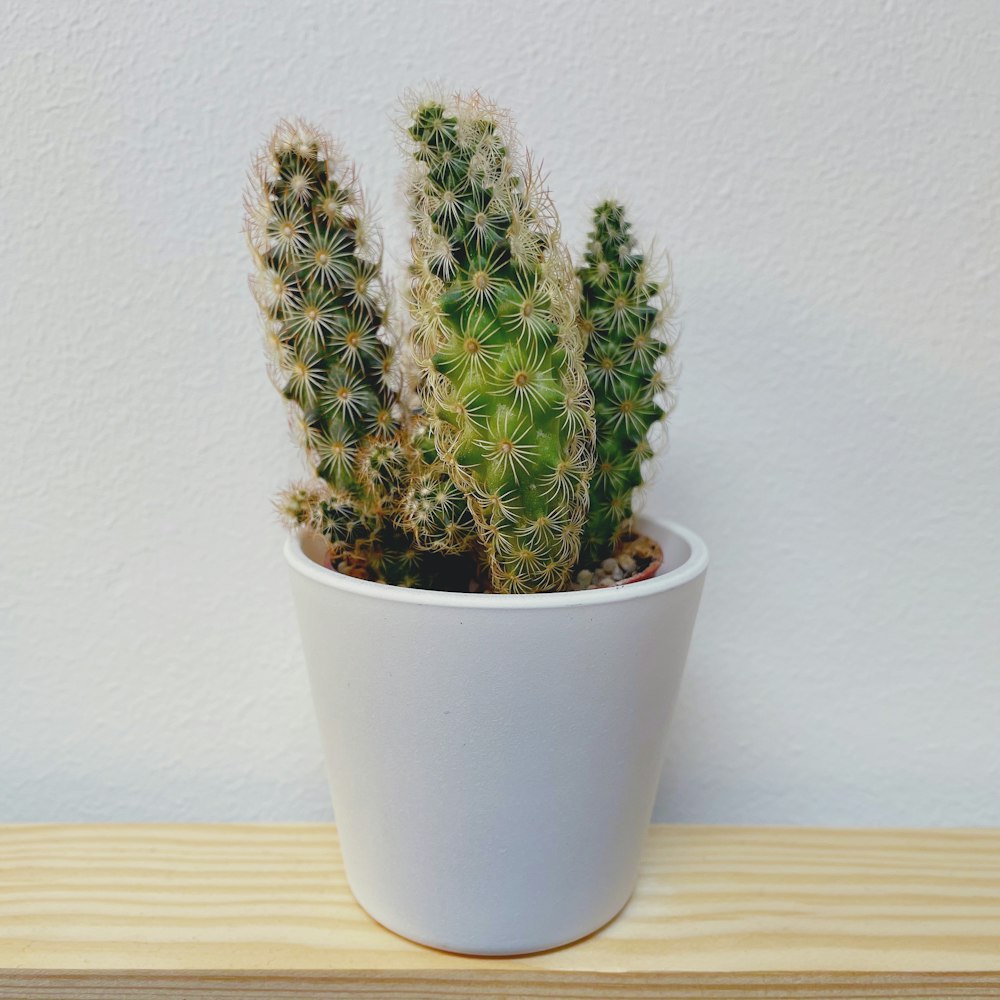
(826, 179)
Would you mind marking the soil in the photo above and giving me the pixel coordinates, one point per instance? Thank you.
(638, 557)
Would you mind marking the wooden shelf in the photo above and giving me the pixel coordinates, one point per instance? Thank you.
(264, 911)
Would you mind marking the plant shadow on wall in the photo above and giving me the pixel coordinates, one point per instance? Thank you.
(497, 441)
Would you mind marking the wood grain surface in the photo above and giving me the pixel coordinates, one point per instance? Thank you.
(264, 911)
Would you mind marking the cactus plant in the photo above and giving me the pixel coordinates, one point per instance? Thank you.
(493, 298)
(534, 388)
(625, 313)
(319, 286)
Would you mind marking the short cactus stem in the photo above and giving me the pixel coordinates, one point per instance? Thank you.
(493, 299)
(625, 315)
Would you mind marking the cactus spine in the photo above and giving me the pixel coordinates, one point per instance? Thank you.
(625, 314)
(319, 287)
(493, 298)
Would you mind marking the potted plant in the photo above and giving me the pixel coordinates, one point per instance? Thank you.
(493, 700)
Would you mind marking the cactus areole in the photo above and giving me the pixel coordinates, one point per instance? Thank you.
(492, 435)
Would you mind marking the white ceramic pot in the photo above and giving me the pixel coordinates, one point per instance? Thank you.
(493, 759)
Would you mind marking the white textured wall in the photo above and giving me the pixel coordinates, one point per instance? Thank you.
(826, 178)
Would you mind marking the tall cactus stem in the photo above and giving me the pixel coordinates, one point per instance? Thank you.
(318, 282)
(493, 299)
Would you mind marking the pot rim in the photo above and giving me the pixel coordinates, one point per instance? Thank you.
(690, 569)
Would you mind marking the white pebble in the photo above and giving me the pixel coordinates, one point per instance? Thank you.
(584, 577)
(609, 565)
(617, 574)
(627, 563)
(607, 582)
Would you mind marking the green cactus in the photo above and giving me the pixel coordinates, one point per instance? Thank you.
(493, 298)
(521, 444)
(319, 286)
(625, 315)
